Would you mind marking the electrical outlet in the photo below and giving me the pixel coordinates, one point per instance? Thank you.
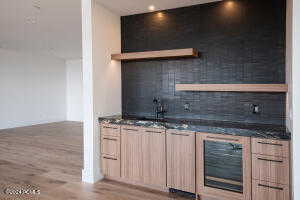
(255, 109)
(187, 107)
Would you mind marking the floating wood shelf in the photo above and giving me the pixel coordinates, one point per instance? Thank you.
(176, 53)
(233, 87)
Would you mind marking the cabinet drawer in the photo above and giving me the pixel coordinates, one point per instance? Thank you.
(110, 146)
(111, 166)
(154, 130)
(181, 133)
(262, 190)
(270, 168)
(270, 147)
(131, 129)
(110, 129)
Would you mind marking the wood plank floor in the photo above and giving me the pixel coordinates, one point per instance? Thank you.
(49, 158)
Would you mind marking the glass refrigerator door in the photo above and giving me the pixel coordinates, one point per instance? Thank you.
(223, 166)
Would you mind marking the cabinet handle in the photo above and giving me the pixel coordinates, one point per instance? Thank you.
(180, 134)
(266, 186)
(109, 127)
(263, 159)
(129, 129)
(222, 138)
(110, 139)
(153, 132)
(108, 158)
(270, 143)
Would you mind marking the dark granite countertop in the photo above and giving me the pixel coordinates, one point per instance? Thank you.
(217, 127)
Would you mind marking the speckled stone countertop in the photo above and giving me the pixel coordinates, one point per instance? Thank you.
(217, 127)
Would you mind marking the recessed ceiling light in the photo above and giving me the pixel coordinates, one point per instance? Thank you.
(151, 8)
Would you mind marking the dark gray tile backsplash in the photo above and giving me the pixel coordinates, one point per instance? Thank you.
(244, 43)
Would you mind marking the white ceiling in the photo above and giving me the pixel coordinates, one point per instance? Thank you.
(51, 27)
(130, 7)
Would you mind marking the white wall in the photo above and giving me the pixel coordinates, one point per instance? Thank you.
(102, 79)
(296, 98)
(74, 90)
(32, 89)
(289, 62)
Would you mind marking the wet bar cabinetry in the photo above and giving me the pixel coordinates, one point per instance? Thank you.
(181, 165)
(212, 166)
(143, 152)
(270, 169)
(110, 150)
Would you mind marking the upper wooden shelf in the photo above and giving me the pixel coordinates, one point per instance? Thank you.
(233, 87)
(175, 53)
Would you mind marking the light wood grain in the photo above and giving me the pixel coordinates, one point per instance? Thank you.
(233, 87)
(270, 168)
(154, 157)
(203, 190)
(271, 147)
(131, 154)
(143, 155)
(110, 150)
(110, 129)
(269, 191)
(110, 146)
(181, 160)
(111, 166)
(175, 53)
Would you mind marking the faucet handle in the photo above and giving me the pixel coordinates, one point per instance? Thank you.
(155, 100)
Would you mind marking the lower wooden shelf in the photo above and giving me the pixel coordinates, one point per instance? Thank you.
(233, 87)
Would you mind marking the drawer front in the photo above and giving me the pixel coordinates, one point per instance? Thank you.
(111, 167)
(269, 191)
(154, 131)
(131, 129)
(270, 168)
(180, 133)
(110, 146)
(270, 147)
(110, 129)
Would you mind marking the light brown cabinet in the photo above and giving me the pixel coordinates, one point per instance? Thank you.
(110, 150)
(181, 160)
(143, 153)
(270, 169)
(210, 165)
(263, 190)
(131, 153)
(154, 157)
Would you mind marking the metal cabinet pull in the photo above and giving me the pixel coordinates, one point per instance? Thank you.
(109, 127)
(179, 134)
(221, 138)
(270, 143)
(110, 139)
(108, 158)
(129, 129)
(266, 186)
(263, 159)
(153, 132)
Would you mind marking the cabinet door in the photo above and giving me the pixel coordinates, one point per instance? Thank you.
(154, 157)
(131, 154)
(181, 160)
(263, 190)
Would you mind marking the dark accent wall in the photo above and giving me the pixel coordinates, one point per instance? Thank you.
(241, 41)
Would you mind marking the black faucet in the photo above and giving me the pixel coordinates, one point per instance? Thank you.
(159, 108)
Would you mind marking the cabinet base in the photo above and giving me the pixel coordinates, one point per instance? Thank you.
(138, 185)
